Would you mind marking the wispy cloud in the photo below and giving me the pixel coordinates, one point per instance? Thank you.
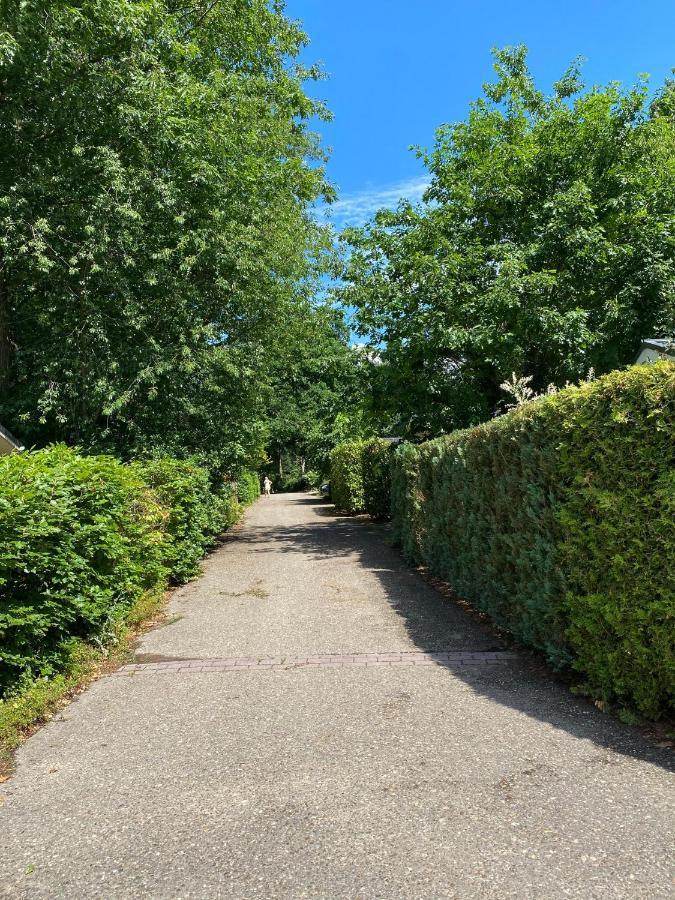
(357, 208)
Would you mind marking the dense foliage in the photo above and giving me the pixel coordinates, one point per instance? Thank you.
(316, 393)
(346, 476)
(376, 467)
(83, 537)
(198, 509)
(558, 520)
(80, 539)
(545, 247)
(248, 489)
(154, 228)
(360, 476)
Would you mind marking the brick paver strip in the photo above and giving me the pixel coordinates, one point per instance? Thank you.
(326, 661)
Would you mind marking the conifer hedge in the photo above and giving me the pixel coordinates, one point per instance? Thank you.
(558, 519)
(82, 538)
(346, 476)
(360, 475)
(376, 461)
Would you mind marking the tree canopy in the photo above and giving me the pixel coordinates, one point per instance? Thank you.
(161, 258)
(317, 388)
(155, 195)
(545, 246)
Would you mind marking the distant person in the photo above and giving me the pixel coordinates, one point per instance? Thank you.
(267, 486)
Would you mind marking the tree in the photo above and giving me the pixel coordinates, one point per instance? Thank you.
(158, 170)
(316, 396)
(544, 247)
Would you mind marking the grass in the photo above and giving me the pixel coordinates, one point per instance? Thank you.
(255, 590)
(33, 705)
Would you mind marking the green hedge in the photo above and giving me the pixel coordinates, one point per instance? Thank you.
(248, 487)
(360, 477)
(376, 463)
(558, 519)
(346, 477)
(183, 488)
(82, 538)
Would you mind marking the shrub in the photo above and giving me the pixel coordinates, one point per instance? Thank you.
(225, 509)
(184, 489)
(376, 462)
(558, 519)
(81, 538)
(360, 477)
(346, 476)
(291, 483)
(86, 542)
(313, 479)
(248, 488)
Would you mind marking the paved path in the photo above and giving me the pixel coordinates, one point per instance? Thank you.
(318, 722)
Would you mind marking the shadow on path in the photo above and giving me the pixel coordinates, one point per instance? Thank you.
(434, 623)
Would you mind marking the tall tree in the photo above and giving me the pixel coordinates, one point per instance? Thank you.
(316, 396)
(157, 174)
(545, 247)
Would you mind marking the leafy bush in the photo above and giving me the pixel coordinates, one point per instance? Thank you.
(84, 539)
(313, 479)
(81, 538)
(558, 519)
(376, 462)
(291, 483)
(360, 477)
(248, 488)
(184, 489)
(346, 476)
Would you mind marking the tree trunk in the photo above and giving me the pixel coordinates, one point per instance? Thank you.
(281, 466)
(302, 464)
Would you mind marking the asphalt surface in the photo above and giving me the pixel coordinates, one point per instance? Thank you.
(355, 781)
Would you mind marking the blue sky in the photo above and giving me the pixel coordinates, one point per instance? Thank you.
(400, 68)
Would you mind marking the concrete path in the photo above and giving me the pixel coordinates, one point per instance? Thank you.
(345, 732)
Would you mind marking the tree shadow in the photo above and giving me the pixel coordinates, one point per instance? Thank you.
(435, 623)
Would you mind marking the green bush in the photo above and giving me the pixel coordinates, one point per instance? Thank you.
(360, 477)
(376, 463)
(183, 488)
(248, 487)
(81, 538)
(291, 483)
(558, 519)
(346, 477)
(225, 509)
(313, 479)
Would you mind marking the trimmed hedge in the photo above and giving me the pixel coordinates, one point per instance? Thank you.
(360, 477)
(376, 463)
(558, 519)
(83, 538)
(183, 488)
(248, 487)
(346, 477)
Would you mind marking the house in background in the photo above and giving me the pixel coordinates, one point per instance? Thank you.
(8, 443)
(654, 349)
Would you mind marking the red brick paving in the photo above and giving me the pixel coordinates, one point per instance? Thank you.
(326, 661)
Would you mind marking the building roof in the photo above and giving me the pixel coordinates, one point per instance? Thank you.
(654, 348)
(8, 441)
(662, 345)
